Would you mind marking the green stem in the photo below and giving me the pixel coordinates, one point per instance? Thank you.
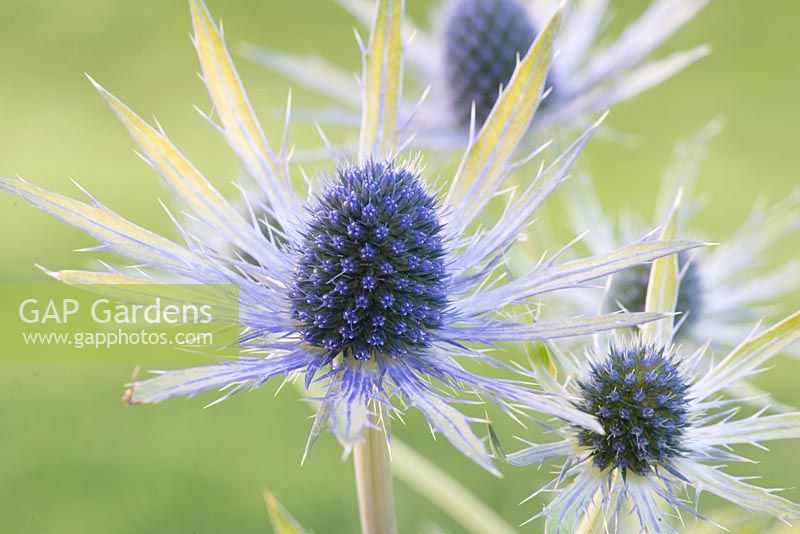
(374, 480)
(445, 492)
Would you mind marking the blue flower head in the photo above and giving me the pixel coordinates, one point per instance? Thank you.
(638, 395)
(376, 286)
(483, 39)
(371, 277)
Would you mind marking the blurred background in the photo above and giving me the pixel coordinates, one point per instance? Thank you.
(74, 459)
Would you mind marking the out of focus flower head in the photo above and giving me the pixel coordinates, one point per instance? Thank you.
(470, 51)
(724, 288)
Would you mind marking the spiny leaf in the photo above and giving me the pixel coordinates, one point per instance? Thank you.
(383, 73)
(750, 355)
(205, 200)
(116, 233)
(231, 104)
(663, 286)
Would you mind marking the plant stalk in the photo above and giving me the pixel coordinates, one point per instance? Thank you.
(373, 467)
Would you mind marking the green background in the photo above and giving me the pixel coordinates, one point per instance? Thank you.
(73, 459)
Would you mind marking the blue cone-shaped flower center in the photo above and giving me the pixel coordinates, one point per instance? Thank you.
(628, 290)
(370, 278)
(639, 397)
(482, 40)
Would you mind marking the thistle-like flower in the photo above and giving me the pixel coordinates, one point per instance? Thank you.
(375, 285)
(666, 430)
(471, 50)
(725, 288)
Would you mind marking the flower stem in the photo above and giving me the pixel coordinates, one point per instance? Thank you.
(374, 479)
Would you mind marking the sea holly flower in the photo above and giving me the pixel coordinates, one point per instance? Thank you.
(370, 284)
(470, 53)
(666, 430)
(725, 288)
